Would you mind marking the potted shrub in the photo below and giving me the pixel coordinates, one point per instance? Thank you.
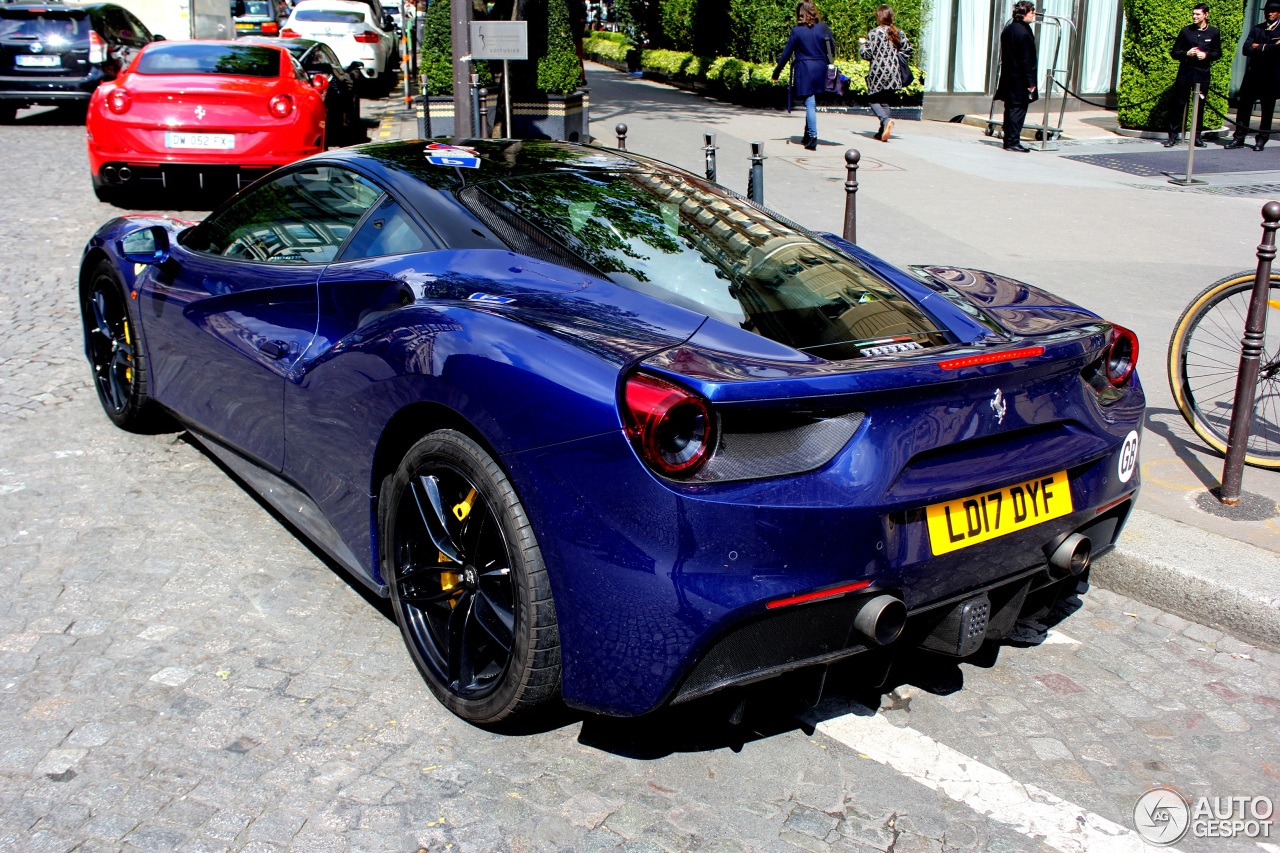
(436, 68)
(558, 107)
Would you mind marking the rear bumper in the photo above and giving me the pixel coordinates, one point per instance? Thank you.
(171, 176)
(50, 90)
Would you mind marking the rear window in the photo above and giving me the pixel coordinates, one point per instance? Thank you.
(258, 9)
(235, 60)
(673, 238)
(49, 27)
(328, 16)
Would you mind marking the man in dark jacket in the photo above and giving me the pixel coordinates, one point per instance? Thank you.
(1261, 78)
(1017, 87)
(1196, 48)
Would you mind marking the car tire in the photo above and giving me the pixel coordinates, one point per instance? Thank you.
(8, 112)
(113, 344)
(468, 585)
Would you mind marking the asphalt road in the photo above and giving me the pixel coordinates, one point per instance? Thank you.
(179, 671)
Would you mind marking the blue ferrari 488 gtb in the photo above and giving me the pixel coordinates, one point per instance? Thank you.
(608, 432)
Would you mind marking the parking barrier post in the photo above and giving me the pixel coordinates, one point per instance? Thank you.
(1255, 330)
(482, 114)
(709, 148)
(851, 158)
(621, 130)
(1193, 109)
(755, 181)
(475, 105)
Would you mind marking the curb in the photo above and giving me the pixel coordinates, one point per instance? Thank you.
(1237, 590)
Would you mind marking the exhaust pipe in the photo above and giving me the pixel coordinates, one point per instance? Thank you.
(881, 619)
(125, 173)
(1072, 555)
(109, 174)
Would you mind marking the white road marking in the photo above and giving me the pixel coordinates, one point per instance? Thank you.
(1028, 809)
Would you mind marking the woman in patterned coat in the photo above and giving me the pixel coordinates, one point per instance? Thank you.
(882, 47)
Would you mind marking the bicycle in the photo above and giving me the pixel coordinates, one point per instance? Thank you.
(1204, 361)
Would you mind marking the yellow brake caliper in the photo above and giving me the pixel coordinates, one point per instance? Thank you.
(128, 371)
(449, 580)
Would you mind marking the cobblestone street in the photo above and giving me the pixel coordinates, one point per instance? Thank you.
(180, 671)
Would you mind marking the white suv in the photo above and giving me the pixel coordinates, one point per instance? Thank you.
(355, 34)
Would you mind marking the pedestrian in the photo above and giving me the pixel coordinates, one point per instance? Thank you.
(1261, 78)
(883, 46)
(1196, 48)
(1017, 87)
(814, 50)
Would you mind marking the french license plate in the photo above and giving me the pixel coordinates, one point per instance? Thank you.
(244, 26)
(218, 141)
(49, 61)
(958, 524)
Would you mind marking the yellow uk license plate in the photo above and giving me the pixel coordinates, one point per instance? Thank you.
(958, 524)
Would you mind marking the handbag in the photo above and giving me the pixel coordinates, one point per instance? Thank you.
(905, 77)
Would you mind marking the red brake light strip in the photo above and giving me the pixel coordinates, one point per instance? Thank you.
(822, 593)
(990, 358)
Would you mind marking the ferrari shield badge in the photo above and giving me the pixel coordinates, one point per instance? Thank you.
(442, 154)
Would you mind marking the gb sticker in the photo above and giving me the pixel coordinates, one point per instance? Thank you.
(1128, 457)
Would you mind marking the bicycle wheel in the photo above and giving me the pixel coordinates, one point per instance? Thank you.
(1204, 361)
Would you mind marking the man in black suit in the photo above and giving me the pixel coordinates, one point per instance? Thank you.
(1017, 87)
(1261, 78)
(1196, 48)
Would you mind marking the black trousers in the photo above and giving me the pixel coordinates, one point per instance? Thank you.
(1015, 116)
(1249, 95)
(1182, 94)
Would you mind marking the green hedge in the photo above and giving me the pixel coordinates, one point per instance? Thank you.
(559, 71)
(732, 78)
(756, 30)
(1147, 73)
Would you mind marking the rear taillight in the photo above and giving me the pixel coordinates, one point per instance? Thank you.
(287, 33)
(671, 428)
(281, 106)
(269, 27)
(119, 101)
(1120, 356)
(366, 37)
(97, 49)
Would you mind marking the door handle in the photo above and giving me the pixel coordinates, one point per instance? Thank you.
(274, 349)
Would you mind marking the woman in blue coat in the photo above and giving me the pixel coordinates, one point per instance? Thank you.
(814, 49)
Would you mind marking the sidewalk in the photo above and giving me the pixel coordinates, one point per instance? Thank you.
(1135, 249)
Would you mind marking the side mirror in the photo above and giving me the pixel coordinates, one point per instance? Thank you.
(388, 22)
(157, 37)
(320, 82)
(145, 246)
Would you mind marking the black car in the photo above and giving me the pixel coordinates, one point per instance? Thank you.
(259, 17)
(343, 125)
(58, 54)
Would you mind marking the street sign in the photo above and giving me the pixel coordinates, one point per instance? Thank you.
(499, 40)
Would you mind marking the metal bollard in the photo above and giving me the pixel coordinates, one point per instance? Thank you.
(851, 158)
(482, 113)
(621, 130)
(755, 182)
(1255, 329)
(709, 147)
(424, 116)
(1194, 111)
(475, 105)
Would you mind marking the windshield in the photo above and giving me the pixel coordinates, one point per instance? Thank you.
(237, 60)
(47, 26)
(258, 9)
(671, 237)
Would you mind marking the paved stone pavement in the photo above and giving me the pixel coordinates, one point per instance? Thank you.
(179, 671)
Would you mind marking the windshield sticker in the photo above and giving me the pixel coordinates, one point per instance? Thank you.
(489, 297)
(442, 154)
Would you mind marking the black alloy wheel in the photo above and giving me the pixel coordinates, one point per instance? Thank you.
(111, 343)
(467, 581)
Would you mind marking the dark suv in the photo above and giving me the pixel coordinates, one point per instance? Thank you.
(57, 54)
